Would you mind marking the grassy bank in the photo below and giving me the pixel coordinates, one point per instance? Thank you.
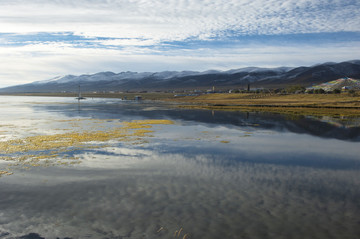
(301, 104)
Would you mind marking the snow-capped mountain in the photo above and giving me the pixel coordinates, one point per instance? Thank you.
(173, 80)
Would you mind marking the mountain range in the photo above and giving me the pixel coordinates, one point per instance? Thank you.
(180, 80)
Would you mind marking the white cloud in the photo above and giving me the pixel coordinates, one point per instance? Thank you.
(44, 61)
(141, 29)
(176, 20)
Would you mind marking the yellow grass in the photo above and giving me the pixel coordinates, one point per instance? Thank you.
(39, 149)
(5, 173)
(313, 104)
(275, 99)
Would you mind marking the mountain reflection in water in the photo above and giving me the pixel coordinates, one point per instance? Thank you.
(325, 126)
(211, 175)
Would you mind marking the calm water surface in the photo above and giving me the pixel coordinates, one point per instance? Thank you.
(208, 175)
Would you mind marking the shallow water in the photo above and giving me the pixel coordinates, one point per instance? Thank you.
(207, 175)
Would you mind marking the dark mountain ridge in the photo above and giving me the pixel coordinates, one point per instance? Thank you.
(173, 80)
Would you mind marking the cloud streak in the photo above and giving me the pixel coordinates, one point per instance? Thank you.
(167, 29)
(179, 20)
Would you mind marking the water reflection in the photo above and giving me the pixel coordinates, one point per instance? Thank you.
(147, 190)
(211, 175)
(326, 127)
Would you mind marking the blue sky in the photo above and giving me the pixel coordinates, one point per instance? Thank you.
(41, 39)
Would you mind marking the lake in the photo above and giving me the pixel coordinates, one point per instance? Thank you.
(107, 168)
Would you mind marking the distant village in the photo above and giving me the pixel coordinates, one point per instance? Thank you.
(337, 86)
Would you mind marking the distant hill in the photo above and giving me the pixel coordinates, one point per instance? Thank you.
(173, 80)
(339, 84)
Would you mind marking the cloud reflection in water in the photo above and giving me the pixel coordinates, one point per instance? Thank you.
(280, 179)
(136, 196)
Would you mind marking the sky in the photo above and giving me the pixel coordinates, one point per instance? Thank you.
(42, 39)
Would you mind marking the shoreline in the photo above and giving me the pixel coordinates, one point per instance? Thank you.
(337, 105)
(343, 104)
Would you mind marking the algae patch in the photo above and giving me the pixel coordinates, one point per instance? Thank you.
(57, 149)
